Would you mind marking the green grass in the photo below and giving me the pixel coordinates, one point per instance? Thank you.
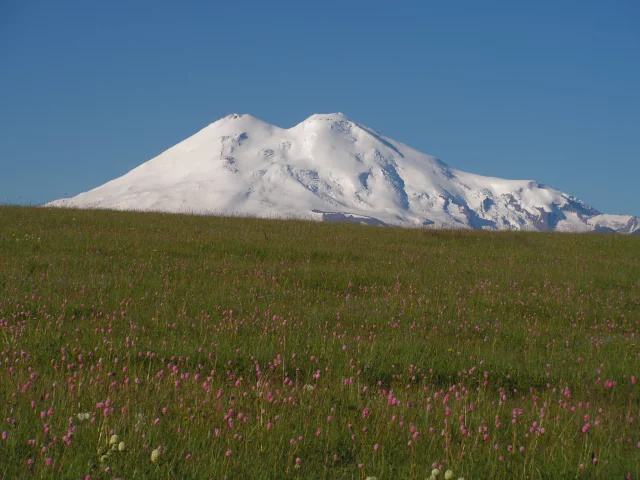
(288, 323)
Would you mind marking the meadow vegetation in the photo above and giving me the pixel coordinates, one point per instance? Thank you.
(148, 345)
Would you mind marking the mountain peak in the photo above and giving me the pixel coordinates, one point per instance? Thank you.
(329, 167)
(239, 117)
(236, 123)
(327, 117)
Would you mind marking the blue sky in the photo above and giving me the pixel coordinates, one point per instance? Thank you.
(545, 90)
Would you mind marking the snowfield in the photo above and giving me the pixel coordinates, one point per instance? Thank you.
(334, 169)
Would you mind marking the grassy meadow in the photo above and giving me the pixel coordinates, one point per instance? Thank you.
(144, 345)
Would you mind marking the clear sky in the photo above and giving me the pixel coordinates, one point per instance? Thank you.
(546, 90)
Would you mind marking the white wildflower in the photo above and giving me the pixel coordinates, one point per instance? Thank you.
(155, 455)
(113, 440)
(139, 419)
(435, 472)
(448, 475)
(121, 447)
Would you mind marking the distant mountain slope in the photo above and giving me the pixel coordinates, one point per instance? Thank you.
(331, 168)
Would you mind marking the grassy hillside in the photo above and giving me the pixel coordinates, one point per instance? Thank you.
(237, 348)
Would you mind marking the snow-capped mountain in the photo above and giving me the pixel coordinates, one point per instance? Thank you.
(331, 168)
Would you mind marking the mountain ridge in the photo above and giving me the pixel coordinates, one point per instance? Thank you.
(331, 168)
